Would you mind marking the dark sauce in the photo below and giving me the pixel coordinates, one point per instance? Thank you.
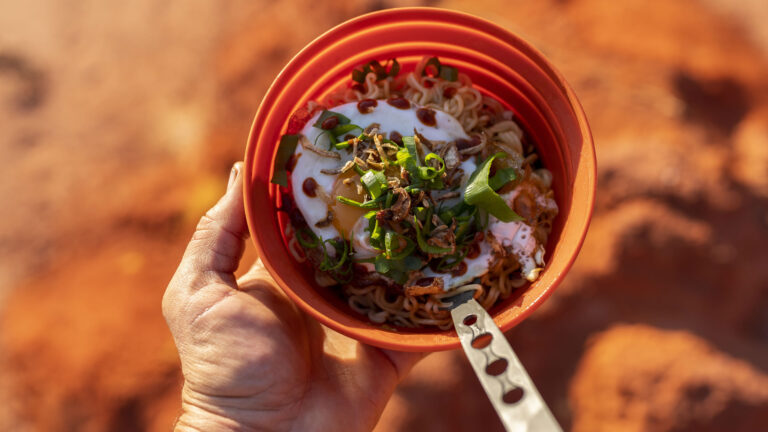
(425, 281)
(396, 137)
(473, 251)
(366, 106)
(309, 187)
(360, 269)
(294, 215)
(459, 269)
(426, 116)
(463, 144)
(449, 92)
(365, 278)
(399, 102)
(433, 265)
(330, 123)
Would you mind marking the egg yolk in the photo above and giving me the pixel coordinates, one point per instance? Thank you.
(345, 216)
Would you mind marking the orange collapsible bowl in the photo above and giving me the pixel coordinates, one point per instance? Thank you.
(500, 65)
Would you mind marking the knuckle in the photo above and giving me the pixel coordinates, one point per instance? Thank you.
(205, 227)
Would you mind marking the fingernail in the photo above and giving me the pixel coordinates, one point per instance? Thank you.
(233, 176)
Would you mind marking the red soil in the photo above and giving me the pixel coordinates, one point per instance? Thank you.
(121, 122)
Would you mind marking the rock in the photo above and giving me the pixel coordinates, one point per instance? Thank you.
(640, 378)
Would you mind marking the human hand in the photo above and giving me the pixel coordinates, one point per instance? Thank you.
(251, 360)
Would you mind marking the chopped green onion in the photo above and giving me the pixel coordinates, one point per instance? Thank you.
(435, 63)
(405, 160)
(344, 128)
(448, 214)
(407, 250)
(332, 141)
(409, 143)
(462, 228)
(428, 220)
(395, 68)
(371, 204)
(382, 264)
(389, 141)
(341, 130)
(284, 151)
(390, 237)
(420, 213)
(480, 193)
(314, 239)
(375, 182)
(392, 246)
(450, 261)
(411, 263)
(359, 74)
(376, 234)
(502, 177)
(482, 219)
(328, 264)
(436, 184)
(378, 69)
(374, 229)
(397, 269)
(449, 73)
(408, 156)
(428, 172)
(327, 114)
(423, 245)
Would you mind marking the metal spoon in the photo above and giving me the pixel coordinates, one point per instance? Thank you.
(507, 384)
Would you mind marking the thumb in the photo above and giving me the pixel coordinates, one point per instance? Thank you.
(217, 245)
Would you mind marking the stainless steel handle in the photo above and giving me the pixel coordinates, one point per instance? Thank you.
(507, 384)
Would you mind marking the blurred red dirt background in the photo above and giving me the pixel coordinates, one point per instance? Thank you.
(120, 121)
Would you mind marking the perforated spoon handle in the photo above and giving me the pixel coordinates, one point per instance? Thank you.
(507, 384)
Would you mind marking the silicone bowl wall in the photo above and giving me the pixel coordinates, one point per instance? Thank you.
(501, 65)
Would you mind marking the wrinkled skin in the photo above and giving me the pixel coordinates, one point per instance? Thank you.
(251, 360)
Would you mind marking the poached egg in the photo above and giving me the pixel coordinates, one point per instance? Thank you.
(348, 221)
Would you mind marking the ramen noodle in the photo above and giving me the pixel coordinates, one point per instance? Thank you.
(408, 188)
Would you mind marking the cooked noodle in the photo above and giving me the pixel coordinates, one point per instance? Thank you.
(495, 129)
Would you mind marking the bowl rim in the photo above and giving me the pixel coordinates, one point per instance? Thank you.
(587, 161)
